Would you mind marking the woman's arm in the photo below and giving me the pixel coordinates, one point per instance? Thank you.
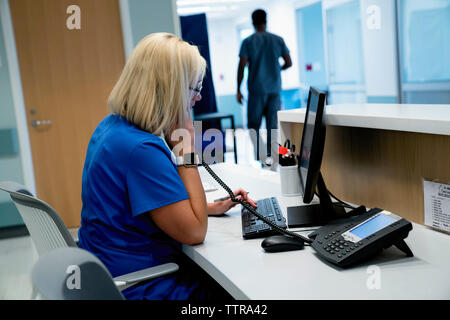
(185, 221)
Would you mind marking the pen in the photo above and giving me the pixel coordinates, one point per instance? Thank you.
(224, 198)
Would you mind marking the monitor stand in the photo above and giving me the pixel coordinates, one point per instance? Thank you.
(315, 214)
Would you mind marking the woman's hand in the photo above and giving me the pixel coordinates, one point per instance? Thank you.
(220, 207)
(186, 133)
(185, 130)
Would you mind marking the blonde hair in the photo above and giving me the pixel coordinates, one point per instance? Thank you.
(153, 91)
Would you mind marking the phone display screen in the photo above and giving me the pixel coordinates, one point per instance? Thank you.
(371, 226)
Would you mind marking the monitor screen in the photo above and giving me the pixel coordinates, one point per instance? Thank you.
(313, 141)
(308, 133)
(309, 161)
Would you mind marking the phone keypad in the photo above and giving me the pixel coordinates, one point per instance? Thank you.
(341, 247)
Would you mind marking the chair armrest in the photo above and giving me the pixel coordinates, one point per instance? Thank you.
(11, 186)
(124, 281)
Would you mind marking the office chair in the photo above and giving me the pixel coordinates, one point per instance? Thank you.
(48, 232)
(73, 274)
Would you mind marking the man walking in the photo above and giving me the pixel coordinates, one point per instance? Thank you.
(261, 52)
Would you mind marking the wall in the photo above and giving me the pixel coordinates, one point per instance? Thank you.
(380, 51)
(282, 21)
(224, 49)
(345, 71)
(310, 45)
(142, 17)
(10, 160)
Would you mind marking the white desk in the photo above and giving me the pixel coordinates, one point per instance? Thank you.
(247, 272)
(422, 118)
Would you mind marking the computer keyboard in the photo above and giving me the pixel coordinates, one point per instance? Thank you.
(253, 227)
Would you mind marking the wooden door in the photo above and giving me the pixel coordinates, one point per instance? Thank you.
(67, 75)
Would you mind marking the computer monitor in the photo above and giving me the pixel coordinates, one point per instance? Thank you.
(313, 142)
(309, 162)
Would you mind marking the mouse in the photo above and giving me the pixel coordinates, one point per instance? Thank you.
(280, 243)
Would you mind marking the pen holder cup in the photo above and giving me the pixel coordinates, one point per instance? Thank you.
(290, 181)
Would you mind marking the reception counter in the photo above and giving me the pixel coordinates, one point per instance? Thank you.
(378, 154)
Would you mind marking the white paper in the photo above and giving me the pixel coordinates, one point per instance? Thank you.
(437, 205)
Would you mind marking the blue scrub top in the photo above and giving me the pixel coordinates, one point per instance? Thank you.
(262, 50)
(127, 173)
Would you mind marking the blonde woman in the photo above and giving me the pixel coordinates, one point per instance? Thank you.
(139, 206)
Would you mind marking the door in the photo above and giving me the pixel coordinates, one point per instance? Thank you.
(67, 74)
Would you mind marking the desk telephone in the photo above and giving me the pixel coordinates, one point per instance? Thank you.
(351, 241)
(348, 241)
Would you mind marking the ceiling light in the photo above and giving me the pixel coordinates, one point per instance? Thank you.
(191, 10)
(185, 3)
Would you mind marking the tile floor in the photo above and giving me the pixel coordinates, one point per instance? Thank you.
(17, 256)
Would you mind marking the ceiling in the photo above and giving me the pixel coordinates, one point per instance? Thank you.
(217, 8)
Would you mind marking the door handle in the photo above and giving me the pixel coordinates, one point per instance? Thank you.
(36, 123)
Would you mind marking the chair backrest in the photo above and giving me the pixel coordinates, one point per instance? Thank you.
(46, 228)
(73, 274)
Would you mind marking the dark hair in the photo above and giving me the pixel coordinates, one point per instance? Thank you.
(259, 17)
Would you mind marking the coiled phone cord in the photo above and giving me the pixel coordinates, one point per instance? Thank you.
(252, 210)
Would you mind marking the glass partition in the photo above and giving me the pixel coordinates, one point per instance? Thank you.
(424, 40)
(344, 53)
